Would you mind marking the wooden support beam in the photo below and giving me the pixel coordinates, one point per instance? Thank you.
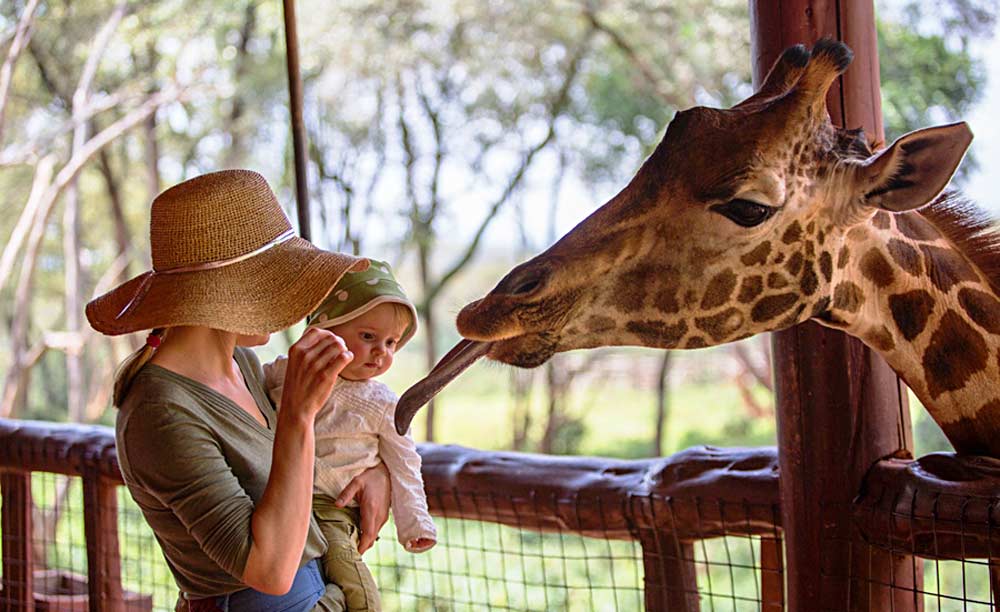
(840, 407)
(18, 558)
(100, 525)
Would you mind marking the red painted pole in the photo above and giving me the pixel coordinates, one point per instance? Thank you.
(840, 407)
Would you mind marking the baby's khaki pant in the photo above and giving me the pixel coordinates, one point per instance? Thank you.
(342, 564)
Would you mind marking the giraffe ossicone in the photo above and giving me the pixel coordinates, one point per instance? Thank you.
(761, 216)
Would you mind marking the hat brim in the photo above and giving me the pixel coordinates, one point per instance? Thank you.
(381, 299)
(259, 295)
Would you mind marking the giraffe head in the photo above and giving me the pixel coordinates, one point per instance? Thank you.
(737, 223)
(730, 228)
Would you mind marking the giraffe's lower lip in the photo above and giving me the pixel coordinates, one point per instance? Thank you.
(464, 354)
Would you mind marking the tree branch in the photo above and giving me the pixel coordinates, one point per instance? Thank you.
(21, 38)
(558, 104)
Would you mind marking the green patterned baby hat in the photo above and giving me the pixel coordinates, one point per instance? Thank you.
(358, 292)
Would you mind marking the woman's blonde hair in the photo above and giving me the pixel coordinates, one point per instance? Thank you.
(127, 370)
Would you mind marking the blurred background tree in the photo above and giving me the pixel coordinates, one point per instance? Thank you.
(452, 139)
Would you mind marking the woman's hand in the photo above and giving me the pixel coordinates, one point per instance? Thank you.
(371, 488)
(314, 362)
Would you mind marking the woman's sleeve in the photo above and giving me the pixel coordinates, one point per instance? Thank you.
(178, 460)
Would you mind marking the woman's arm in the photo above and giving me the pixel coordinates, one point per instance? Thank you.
(280, 521)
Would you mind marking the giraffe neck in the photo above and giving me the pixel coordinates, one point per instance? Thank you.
(907, 291)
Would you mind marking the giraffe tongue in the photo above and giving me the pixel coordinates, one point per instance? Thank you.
(464, 354)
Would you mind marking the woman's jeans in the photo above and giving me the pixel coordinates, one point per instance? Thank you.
(306, 590)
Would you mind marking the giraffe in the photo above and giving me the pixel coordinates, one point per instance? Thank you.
(761, 216)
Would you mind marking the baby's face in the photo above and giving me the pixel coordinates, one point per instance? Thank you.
(372, 338)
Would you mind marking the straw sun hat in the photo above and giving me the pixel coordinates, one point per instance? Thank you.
(224, 256)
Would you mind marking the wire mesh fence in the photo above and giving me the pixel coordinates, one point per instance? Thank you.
(697, 531)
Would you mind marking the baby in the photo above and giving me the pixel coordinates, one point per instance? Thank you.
(355, 430)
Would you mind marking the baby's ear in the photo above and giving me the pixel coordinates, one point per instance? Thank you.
(915, 169)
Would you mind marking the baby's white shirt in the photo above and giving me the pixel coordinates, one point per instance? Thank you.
(355, 430)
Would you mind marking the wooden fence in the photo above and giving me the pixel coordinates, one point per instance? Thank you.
(938, 507)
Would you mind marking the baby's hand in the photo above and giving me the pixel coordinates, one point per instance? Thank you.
(419, 545)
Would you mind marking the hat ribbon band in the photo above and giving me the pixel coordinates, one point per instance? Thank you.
(210, 265)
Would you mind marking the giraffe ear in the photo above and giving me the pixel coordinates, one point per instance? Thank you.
(915, 169)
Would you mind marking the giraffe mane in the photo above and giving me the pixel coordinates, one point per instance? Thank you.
(970, 229)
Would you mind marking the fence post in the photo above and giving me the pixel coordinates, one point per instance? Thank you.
(100, 524)
(840, 407)
(670, 578)
(772, 574)
(18, 562)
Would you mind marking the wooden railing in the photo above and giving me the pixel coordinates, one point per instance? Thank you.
(939, 506)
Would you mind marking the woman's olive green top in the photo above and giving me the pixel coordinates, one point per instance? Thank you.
(196, 463)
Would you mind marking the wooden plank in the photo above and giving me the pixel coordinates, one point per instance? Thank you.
(15, 523)
(100, 524)
(840, 407)
(772, 574)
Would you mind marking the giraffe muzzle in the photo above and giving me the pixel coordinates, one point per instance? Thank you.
(464, 354)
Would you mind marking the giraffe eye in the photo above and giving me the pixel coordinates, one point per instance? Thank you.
(744, 212)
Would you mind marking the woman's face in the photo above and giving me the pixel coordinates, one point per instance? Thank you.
(252, 339)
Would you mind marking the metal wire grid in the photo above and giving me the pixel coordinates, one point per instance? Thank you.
(58, 545)
(735, 558)
(143, 567)
(482, 565)
(956, 578)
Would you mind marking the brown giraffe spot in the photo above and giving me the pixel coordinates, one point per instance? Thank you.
(982, 308)
(750, 288)
(772, 306)
(914, 226)
(906, 256)
(881, 220)
(793, 318)
(665, 299)
(857, 233)
(810, 250)
(695, 342)
(794, 264)
(843, 257)
(848, 296)
(658, 333)
(776, 280)
(600, 323)
(955, 353)
(630, 288)
(826, 265)
(946, 268)
(792, 234)
(910, 311)
(976, 435)
(876, 268)
(780, 257)
(720, 325)
(757, 256)
(809, 282)
(811, 227)
(881, 339)
(821, 306)
(719, 289)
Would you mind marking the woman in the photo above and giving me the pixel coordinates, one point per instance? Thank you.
(223, 479)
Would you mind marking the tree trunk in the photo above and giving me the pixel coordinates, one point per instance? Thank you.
(662, 404)
(236, 154)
